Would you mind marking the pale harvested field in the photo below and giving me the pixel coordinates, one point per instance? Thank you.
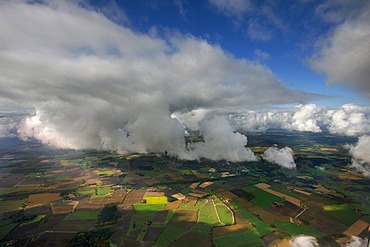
(63, 208)
(193, 185)
(291, 199)
(173, 205)
(356, 229)
(205, 184)
(349, 176)
(303, 192)
(154, 194)
(195, 195)
(280, 243)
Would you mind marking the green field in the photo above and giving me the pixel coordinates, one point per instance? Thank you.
(261, 227)
(207, 219)
(239, 240)
(294, 229)
(148, 208)
(91, 215)
(226, 216)
(186, 172)
(156, 199)
(342, 212)
(185, 191)
(4, 230)
(95, 193)
(262, 198)
(36, 219)
(105, 173)
(13, 205)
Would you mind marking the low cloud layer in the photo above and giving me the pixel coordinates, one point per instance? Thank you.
(95, 84)
(304, 241)
(356, 242)
(283, 156)
(350, 120)
(360, 155)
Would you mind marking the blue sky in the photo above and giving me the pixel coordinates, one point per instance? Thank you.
(283, 35)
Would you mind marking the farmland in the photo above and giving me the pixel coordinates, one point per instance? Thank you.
(163, 201)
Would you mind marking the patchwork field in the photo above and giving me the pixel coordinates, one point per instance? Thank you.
(251, 208)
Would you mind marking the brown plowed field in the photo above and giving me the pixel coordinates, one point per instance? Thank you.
(63, 208)
(356, 229)
(43, 198)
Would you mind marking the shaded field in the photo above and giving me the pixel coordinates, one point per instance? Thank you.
(180, 223)
(36, 219)
(200, 239)
(63, 208)
(240, 239)
(294, 229)
(5, 229)
(91, 215)
(148, 208)
(74, 225)
(261, 227)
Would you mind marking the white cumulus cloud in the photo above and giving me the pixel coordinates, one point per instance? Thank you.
(343, 56)
(361, 155)
(283, 156)
(304, 241)
(96, 84)
(222, 142)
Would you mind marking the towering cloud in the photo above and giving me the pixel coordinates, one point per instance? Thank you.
(283, 157)
(96, 84)
(222, 142)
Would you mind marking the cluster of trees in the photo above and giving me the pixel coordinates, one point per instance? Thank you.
(20, 217)
(108, 215)
(98, 237)
(93, 238)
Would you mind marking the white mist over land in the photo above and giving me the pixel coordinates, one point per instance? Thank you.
(310, 241)
(95, 84)
(304, 241)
